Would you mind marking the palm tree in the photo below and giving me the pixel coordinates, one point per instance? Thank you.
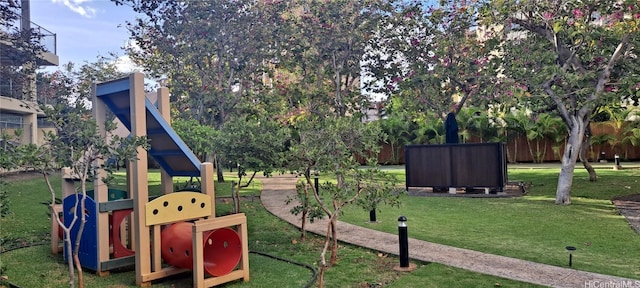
(618, 121)
(430, 131)
(544, 127)
(631, 135)
(558, 134)
(599, 140)
(463, 117)
(611, 115)
(399, 133)
(516, 127)
(633, 138)
(473, 121)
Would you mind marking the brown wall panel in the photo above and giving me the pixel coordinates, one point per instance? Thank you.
(456, 165)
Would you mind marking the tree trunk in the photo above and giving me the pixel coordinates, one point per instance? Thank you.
(585, 163)
(303, 228)
(515, 150)
(334, 241)
(395, 154)
(235, 194)
(533, 155)
(76, 259)
(321, 276)
(237, 199)
(305, 202)
(569, 159)
(219, 175)
(583, 155)
(67, 242)
(323, 259)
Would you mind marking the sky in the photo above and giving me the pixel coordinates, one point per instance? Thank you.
(85, 29)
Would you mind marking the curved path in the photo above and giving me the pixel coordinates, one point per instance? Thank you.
(277, 188)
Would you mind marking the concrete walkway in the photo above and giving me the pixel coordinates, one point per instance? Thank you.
(277, 188)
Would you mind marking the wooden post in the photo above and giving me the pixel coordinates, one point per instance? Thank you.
(132, 221)
(55, 239)
(100, 189)
(166, 181)
(140, 189)
(206, 179)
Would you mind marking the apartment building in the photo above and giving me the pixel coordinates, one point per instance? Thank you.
(18, 95)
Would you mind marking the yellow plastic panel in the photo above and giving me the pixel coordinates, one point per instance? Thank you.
(176, 207)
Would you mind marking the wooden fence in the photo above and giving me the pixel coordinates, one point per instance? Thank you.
(519, 150)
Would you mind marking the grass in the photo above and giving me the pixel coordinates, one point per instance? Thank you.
(357, 267)
(531, 227)
(435, 275)
(223, 189)
(37, 267)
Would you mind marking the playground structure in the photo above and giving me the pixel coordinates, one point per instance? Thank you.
(171, 234)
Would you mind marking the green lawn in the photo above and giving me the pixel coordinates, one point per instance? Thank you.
(531, 227)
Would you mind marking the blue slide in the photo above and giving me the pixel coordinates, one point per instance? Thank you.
(167, 148)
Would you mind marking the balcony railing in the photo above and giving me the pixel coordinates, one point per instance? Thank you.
(45, 38)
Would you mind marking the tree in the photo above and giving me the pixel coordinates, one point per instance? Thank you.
(197, 136)
(432, 58)
(21, 48)
(10, 153)
(399, 131)
(540, 130)
(618, 120)
(324, 44)
(573, 56)
(632, 137)
(430, 130)
(329, 145)
(213, 55)
(76, 142)
(255, 145)
(306, 206)
(516, 128)
(383, 191)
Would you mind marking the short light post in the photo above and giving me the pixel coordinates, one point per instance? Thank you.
(372, 216)
(570, 249)
(403, 243)
(617, 162)
(403, 237)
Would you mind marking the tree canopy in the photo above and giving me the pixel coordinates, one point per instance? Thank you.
(573, 57)
(291, 59)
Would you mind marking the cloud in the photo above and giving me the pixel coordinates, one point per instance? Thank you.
(78, 6)
(124, 64)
